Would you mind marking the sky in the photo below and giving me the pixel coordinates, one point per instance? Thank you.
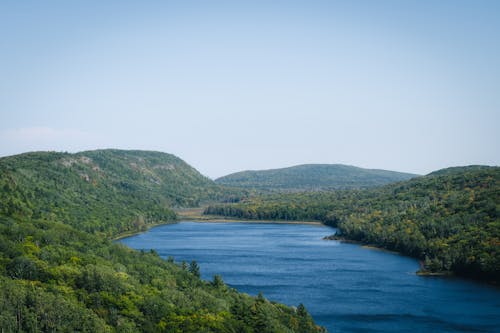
(410, 86)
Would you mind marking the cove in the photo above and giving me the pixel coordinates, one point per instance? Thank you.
(345, 287)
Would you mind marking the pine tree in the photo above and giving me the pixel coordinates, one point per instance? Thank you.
(218, 282)
(194, 268)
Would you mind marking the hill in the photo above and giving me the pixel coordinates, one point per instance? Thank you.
(312, 177)
(59, 273)
(108, 191)
(450, 219)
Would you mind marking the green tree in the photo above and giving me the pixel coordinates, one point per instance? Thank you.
(194, 268)
(218, 282)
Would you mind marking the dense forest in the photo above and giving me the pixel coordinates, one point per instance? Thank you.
(104, 191)
(312, 177)
(60, 272)
(450, 219)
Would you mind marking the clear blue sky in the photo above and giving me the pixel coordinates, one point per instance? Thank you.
(230, 85)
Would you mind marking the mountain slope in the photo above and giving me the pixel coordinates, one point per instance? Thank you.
(312, 177)
(450, 219)
(109, 191)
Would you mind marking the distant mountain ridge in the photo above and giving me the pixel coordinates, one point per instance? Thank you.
(312, 177)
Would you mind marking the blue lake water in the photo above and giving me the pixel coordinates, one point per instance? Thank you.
(345, 287)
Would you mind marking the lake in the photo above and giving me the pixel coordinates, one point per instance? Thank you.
(345, 287)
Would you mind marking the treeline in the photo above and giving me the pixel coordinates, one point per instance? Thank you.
(318, 206)
(449, 219)
(59, 274)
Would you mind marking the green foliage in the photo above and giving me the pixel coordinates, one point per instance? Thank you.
(194, 269)
(55, 278)
(103, 191)
(312, 177)
(58, 274)
(28, 307)
(449, 219)
(218, 282)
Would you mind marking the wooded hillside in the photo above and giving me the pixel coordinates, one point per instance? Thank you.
(450, 219)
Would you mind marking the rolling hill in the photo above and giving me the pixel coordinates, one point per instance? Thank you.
(107, 191)
(312, 177)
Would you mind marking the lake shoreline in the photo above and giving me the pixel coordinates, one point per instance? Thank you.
(364, 245)
(291, 263)
(138, 232)
(211, 220)
(196, 215)
(221, 220)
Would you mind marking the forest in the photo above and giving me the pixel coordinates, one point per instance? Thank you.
(109, 192)
(60, 271)
(449, 219)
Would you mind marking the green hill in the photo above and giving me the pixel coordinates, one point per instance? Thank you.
(58, 273)
(312, 177)
(450, 219)
(109, 191)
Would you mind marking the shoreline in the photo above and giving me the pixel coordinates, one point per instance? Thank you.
(422, 272)
(138, 232)
(196, 215)
(222, 220)
(211, 220)
(364, 245)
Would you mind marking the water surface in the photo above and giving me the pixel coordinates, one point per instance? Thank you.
(346, 287)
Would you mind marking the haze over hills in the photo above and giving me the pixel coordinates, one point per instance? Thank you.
(312, 177)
